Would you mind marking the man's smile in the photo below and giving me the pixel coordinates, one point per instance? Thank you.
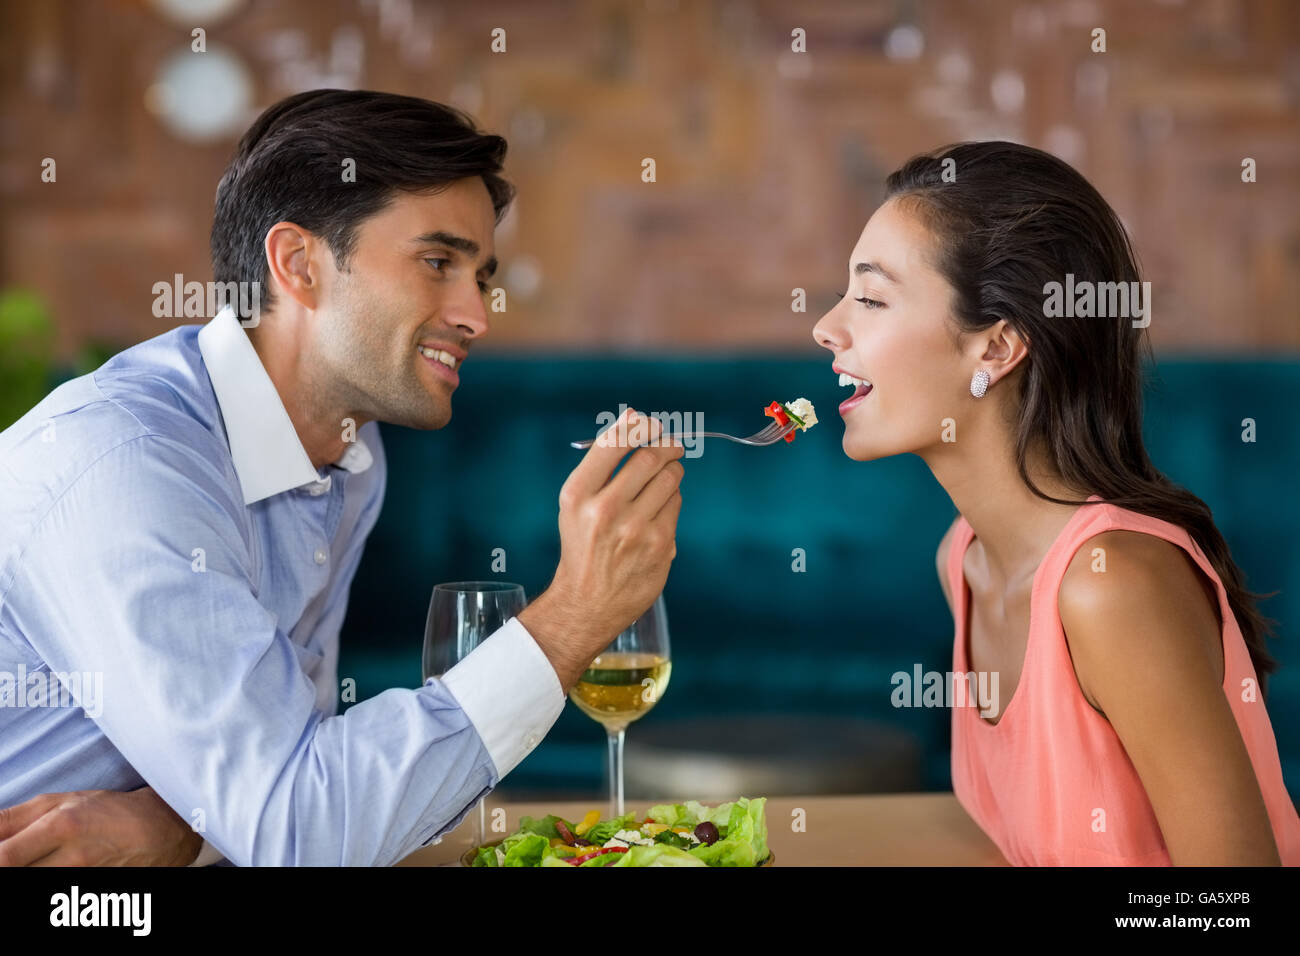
(443, 361)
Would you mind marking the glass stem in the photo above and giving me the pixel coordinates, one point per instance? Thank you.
(616, 772)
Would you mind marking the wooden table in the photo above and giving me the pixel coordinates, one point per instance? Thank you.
(907, 829)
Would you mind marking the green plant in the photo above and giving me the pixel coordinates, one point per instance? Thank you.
(26, 353)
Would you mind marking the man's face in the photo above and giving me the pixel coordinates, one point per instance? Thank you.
(414, 285)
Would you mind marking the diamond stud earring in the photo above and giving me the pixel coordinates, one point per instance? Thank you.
(979, 383)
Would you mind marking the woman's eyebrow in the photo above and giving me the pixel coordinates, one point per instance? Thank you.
(876, 267)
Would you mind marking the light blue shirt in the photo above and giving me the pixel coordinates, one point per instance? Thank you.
(174, 572)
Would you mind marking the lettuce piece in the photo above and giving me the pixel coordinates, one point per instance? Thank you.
(511, 840)
(745, 843)
(759, 835)
(605, 859)
(723, 853)
(690, 814)
(669, 813)
(487, 856)
(658, 855)
(726, 852)
(544, 827)
(674, 839)
(719, 816)
(602, 831)
(554, 860)
(549, 851)
(527, 850)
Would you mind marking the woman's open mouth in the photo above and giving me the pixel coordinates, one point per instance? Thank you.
(861, 389)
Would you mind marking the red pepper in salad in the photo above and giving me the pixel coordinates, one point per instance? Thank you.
(579, 860)
(777, 411)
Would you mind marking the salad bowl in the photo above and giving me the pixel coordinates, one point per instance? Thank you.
(673, 834)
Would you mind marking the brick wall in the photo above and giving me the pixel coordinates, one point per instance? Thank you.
(768, 161)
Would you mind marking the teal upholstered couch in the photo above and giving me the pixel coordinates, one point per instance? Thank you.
(749, 634)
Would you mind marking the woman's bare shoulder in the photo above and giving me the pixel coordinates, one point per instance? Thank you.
(1125, 590)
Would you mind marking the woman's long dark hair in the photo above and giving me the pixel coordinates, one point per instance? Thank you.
(1007, 220)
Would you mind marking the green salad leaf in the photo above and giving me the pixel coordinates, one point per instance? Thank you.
(669, 813)
(544, 827)
(674, 839)
(658, 855)
(690, 814)
(525, 851)
(719, 816)
(745, 842)
(601, 832)
(605, 859)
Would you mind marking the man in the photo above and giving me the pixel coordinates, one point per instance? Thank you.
(185, 523)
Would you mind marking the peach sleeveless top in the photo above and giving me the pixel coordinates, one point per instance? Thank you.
(1034, 780)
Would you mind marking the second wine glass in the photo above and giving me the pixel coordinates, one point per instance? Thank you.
(462, 615)
(623, 683)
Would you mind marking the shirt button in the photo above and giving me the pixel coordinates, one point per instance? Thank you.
(320, 556)
(531, 741)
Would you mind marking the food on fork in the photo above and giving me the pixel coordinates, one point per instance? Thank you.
(800, 411)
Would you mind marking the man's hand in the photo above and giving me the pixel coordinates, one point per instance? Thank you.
(618, 537)
(96, 828)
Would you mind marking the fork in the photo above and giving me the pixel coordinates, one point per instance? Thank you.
(770, 435)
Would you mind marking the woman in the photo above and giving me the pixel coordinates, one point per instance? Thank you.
(1132, 727)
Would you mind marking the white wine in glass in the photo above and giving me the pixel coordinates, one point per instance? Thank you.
(623, 683)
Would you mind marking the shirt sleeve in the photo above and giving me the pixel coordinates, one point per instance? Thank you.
(510, 692)
(141, 572)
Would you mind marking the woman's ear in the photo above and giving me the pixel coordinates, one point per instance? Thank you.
(1004, 349)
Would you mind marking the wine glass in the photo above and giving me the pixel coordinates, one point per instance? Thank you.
(624, 681)
(462, 615)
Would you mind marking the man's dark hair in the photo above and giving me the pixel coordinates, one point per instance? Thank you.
(289, 165)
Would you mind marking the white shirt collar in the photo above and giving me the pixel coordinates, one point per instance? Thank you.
(266, 450)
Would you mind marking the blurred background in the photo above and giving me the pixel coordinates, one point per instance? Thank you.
(772, 126)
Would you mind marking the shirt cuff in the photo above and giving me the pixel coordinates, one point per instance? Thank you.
(208, 855)
(510, 692)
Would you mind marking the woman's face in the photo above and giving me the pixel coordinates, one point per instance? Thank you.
(893, 330)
